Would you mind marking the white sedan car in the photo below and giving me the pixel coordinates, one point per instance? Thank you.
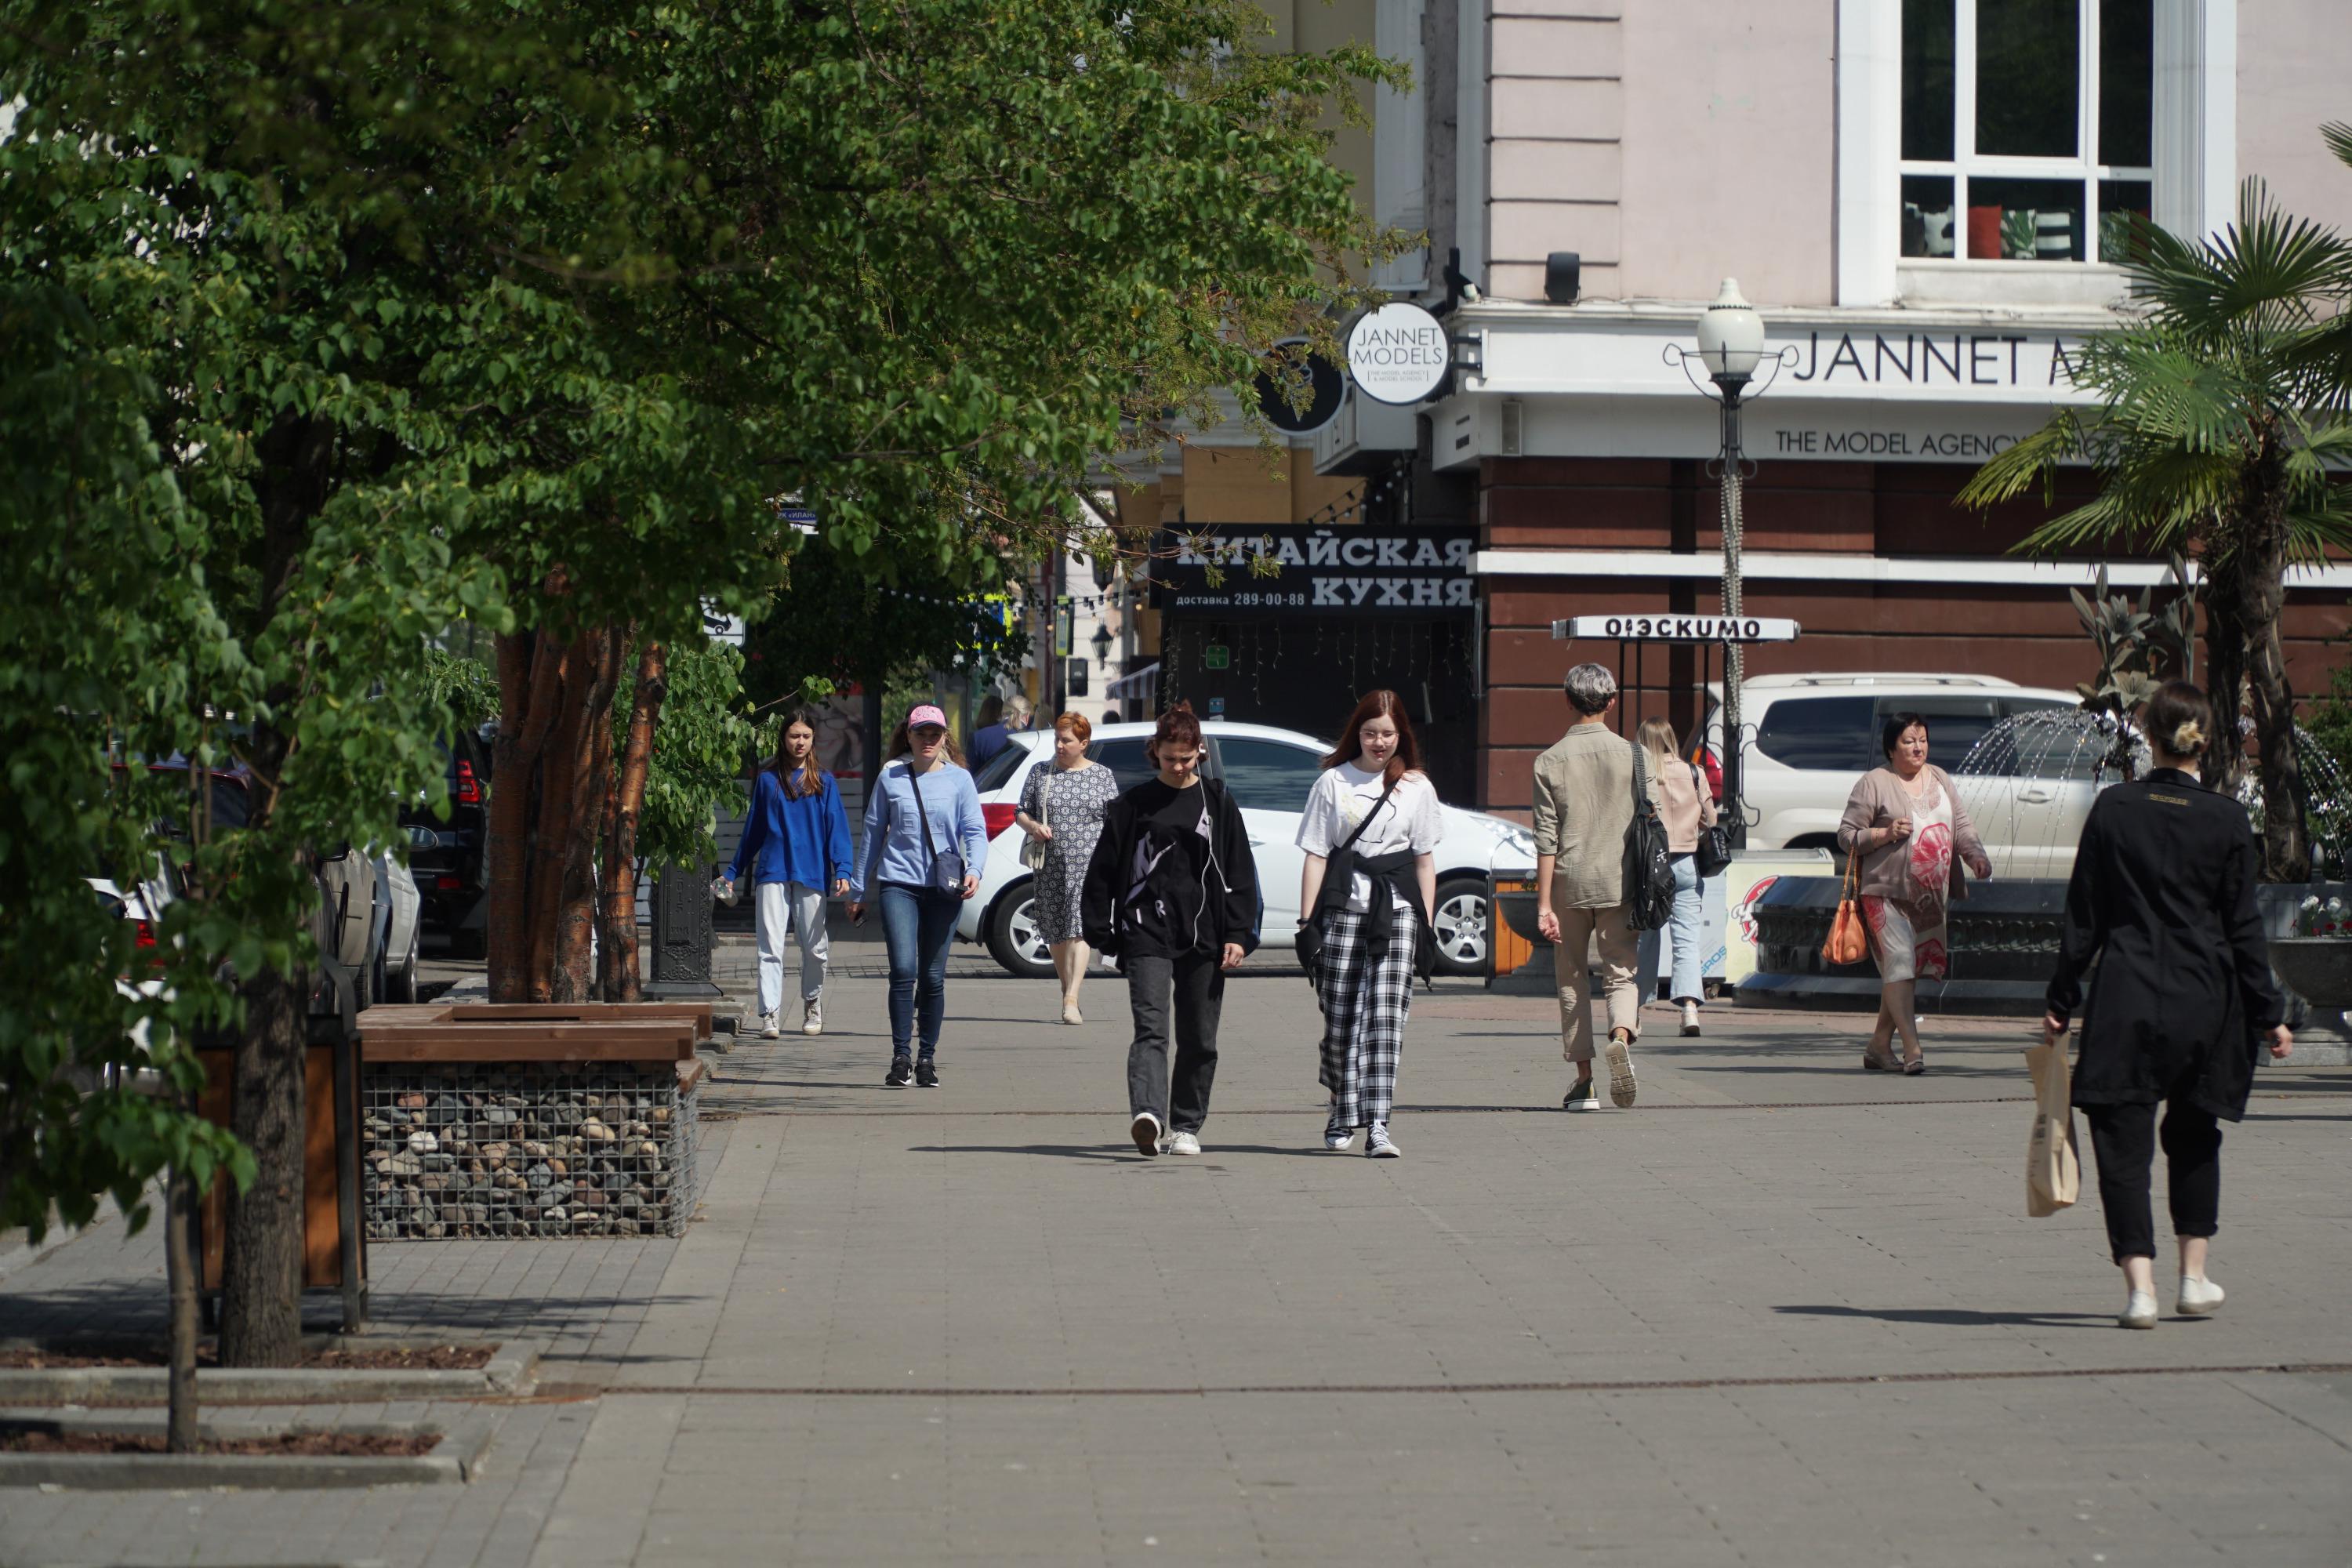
(1269, 772)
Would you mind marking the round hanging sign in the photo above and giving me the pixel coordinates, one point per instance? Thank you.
(1397, 353)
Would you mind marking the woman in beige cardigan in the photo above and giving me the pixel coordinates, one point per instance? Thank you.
(1906, 823)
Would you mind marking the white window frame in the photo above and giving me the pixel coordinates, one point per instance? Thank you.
(2083, 168)
(2193, 140)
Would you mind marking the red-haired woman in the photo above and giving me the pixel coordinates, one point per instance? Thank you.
(1371, 832)
(1171, 894)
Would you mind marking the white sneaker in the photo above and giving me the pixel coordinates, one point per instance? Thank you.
(1145, 1130)
(1690, 1019)
(1379, 1145)
(769, 1028)
(2139, 1312)
(1183, 1143)
(2199, 1298)
(1620, 1055)
(1581, 1096)
(813, 1021)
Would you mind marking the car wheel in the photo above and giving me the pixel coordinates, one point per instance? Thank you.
(1014, 939)
(1462, 919)
(400, 985)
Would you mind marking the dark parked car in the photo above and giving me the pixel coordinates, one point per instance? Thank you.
(447, 857)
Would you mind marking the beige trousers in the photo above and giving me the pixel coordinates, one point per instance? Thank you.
(1580, 930)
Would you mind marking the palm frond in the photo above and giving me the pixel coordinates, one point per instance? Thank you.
(2338, 137)
(2110, 519)
(2259, 272)
(2013, 470)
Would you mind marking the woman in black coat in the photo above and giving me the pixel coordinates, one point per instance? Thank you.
(2163, 897)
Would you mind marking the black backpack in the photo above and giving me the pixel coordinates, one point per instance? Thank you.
(1649, 867)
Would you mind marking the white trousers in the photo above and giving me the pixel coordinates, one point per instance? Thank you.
(799, 908)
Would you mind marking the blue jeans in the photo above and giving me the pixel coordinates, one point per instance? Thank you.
(917, 924)
(1686, 926)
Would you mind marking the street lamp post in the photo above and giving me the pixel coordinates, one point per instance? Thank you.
(1730, 353)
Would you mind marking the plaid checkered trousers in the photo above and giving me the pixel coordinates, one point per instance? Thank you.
(1364, 1011)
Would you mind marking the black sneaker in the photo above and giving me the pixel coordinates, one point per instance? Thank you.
(927, 1074)
(902, 1073)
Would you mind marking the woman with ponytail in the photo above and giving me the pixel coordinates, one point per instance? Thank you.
(2163, 899)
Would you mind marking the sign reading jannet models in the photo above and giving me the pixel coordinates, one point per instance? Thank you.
(1316, 570)
(1397, 353)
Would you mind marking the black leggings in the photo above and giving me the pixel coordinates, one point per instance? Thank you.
(2124, 1136)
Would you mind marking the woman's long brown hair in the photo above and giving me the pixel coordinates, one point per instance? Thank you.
(811, 778)
(1380, 704)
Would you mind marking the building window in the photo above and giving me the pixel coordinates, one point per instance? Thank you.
(2027, 127)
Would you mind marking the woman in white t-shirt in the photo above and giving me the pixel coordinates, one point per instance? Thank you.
(1371, 832)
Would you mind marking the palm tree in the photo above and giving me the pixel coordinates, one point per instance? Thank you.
(2222, 430)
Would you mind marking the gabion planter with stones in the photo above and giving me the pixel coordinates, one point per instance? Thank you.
(526, 1149)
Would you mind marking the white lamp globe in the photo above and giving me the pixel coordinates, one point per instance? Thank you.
(1730, 336)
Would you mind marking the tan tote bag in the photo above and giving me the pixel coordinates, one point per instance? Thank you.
(2053, 1172)
(1847, 943)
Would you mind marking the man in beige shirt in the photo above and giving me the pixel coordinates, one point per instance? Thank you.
(1584, 804)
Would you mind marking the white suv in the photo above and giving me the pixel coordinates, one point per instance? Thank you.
(1810, 736)
(1268, 771)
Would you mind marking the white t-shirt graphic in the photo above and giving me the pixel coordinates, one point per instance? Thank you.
(1341, 798)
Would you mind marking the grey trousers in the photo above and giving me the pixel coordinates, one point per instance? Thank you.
(1196, 985)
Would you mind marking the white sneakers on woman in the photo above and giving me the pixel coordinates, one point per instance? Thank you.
(2199, 1298)
(769, 1028)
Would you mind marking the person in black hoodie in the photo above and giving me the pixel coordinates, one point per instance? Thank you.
(2163, 898)
(1171, 894)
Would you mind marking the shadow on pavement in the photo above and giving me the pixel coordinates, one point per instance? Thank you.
(1957, 1317)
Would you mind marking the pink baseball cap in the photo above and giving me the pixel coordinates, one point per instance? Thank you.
(927, 713)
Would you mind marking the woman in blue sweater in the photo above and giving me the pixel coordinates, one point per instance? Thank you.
(925, 843)
(796, 841)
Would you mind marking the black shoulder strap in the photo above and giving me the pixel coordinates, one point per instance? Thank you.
(915, 783)
(1350, 844)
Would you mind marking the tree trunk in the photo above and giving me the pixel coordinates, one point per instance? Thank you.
(622, 979)
(599, 656)
(261, 1273)
(2225, 666)
(531, 674)
(179, 1285)
(551, 828)
(261, 1265)
(2261, 580)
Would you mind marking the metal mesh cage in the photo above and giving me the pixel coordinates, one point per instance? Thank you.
(513, 1149)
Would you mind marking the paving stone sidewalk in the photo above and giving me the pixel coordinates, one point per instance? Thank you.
(1782, 1311)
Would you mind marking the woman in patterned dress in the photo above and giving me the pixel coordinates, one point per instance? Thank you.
(1906, 823)
(1062, 805)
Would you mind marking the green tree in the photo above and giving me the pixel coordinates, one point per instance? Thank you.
(528, 314)
(2220, 433)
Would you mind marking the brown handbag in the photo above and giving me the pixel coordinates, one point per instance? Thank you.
(1848, 943)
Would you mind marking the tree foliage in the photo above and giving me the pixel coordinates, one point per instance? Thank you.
(360, 319)
(2220, 433)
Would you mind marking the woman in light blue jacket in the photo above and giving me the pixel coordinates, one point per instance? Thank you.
(925, 844)
(796, 841)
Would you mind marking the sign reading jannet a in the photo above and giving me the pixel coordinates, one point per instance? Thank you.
(1397, 353)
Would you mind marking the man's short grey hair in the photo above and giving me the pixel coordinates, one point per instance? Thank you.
(1590, 689)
